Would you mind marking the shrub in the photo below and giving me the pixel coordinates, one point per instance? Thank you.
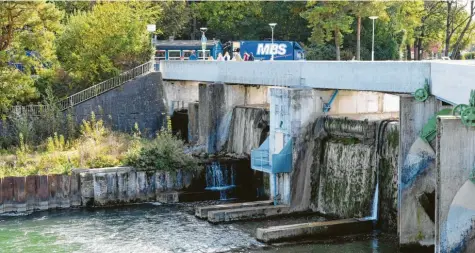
(165, 152)
(469, 56)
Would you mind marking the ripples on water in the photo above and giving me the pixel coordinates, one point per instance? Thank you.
(147, 228)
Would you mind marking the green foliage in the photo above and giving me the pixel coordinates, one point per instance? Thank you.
(165, 152)
(175, 19)
(25, 26)
(469, 56)
(111, 38)
(329, 21)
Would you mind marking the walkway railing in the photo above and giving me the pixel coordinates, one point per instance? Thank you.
(86, 94)
(281, 162)
(104, 86)
(260, 157)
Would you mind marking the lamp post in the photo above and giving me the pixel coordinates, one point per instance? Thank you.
(372, 45)
(272, 26)
(151, 29)
(203, 40)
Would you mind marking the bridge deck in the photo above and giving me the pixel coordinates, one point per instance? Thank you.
(451, 81)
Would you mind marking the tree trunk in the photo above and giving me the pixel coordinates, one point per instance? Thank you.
(419, 49)
(416, 55)
(408, 52)
(337, 43)
(358, 40)
(194, 28)
(456, 52)
(447, 29)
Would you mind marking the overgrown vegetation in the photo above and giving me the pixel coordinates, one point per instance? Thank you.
(95, 146)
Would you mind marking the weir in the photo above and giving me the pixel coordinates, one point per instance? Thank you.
(220, 177)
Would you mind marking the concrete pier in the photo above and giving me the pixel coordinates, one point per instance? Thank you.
(202, 212)
(314, 230)
(247, 213)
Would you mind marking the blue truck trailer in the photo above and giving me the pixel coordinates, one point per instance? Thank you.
(262, 50)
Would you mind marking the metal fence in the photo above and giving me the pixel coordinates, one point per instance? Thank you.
(91, 92)
(104, 86)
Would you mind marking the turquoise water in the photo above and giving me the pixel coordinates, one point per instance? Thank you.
(157, 228)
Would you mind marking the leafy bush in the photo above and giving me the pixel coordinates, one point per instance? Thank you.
(165, 152)
(469, 56)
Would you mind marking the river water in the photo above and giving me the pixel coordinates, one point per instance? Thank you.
(159, 228)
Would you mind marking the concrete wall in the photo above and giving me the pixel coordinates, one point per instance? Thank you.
(138, 101)
(249, 128)
(91, 187)
(362, 105)
(290, 110)
(416, 173)
(337, 164)
(452, 81)
(403, 77)
(455, 187)
(216, 104)
(179, 94)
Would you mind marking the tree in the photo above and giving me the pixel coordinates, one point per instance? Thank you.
(229, 20)
(363, 10)
(176, 17)
(111, 38)
(329, 21)
(27, 35)
(466, 27)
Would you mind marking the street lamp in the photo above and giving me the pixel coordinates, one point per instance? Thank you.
(203, 40)
(272, 26)
(372, 47)
(151, 29)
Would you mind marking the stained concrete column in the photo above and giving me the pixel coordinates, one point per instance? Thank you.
(416, 173)
(290, 110)
(455, 202)
(216, 105)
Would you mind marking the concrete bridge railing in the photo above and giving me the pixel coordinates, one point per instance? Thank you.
(450, 81)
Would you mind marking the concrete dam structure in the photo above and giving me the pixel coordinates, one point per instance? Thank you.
(362, 142)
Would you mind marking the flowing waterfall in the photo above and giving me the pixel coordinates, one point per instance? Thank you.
(220, 178)
(374, 209)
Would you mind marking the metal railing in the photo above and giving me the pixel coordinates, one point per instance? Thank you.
(104, 86)
(260, 157)
(32, 110)
(86, 94)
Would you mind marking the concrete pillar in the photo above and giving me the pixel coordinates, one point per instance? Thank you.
(217, 101)
(455, 202)
(290, 110)
(416, 173)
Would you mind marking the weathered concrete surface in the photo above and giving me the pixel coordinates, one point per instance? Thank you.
(347, 180)
(455, 203)
(96, 187)
(337, 163)
(314, 230)
(249, 128)
(193, 123)
(247, 213)
(179, 94)
(452, 81)
(416, 173)
(140, 101)
(215, 111)
(19, 194)
(202, 211)
(291, 109)
(402, 77)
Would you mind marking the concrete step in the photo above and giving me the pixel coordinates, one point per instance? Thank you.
(202, 212)
(247, 213)
(314, 230)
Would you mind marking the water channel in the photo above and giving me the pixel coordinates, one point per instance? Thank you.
(160, 228)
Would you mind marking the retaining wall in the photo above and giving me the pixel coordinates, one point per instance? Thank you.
(93, 187)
